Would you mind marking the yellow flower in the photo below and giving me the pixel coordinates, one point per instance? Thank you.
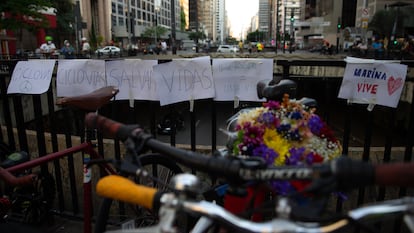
(281, 146)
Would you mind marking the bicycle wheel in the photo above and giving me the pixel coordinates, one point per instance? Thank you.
(116, 215)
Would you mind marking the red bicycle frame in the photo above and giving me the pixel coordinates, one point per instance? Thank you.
(88, 149)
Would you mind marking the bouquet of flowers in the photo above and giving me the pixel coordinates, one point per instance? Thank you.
(285, 133)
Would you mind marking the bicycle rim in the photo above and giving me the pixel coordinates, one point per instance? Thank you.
(119, 215)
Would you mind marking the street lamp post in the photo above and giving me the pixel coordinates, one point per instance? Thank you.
(284, 28)
(277, 23)
(196, 38)
(157, 5)
(173, 25)
(129, 25)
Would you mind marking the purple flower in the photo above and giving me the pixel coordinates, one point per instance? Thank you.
(309, 158)
(315, 124)
(272, 105)
(283, 128)
(295, 156)
(296, 115)
(294, 135)
(282, 187)
(267, 118)
(253, 135)
(266, 153)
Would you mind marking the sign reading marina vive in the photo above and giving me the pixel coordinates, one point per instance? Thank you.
(373, 82)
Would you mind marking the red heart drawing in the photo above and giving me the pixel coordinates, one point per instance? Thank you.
(394, 84)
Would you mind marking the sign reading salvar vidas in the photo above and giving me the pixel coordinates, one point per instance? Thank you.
(373, 82)
(171, 82)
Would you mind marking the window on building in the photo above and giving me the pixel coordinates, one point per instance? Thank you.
(113, 8)
(120, 9)
(121, 21)
(113, 20)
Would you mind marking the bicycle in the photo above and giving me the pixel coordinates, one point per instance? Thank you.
(26, 203)
(90, 102)
(235, 192)
(338, 175)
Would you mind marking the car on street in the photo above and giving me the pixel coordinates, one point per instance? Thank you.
(227, 49)
(108, 51)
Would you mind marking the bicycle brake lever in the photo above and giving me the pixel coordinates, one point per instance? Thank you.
(252, 163)
(321, 186)
(98, 161)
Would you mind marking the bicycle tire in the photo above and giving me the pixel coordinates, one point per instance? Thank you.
(157, 165)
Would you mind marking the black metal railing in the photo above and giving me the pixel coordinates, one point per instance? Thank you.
(383, 127)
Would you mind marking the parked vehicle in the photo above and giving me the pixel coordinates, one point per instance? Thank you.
(227, 49)
(109, 51)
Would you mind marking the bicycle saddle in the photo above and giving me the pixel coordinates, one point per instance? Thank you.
(275, 91)
(91, 101)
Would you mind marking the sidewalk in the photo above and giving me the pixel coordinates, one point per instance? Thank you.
(57, 225)
(64, 225)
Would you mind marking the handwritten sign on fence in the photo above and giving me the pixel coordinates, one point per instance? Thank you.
(80, 76)
(31, 77)
(237, 78)
(373, 82)
(182, 80)
(133, 77)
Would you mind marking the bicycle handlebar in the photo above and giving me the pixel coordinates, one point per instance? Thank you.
(345, 172)
(122, 189)
(12, 180)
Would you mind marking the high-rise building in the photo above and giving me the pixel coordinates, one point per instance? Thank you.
(264, 18)
(208, 16)
(184, 10)
(125, 20)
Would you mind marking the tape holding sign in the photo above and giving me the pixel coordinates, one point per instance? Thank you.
(373, 82)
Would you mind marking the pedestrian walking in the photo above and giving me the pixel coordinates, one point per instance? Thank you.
(86, 48)
(163, 47)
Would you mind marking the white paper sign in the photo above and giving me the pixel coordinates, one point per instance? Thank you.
(133, 77)
(80, 76)
(373, 83)
(182, 80)
(237, 78)
(31, 77)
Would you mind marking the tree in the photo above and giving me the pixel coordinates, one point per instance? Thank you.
(150, 31)
(65, 19)
(382, 22)
(231, 40)
(17, 13)
(94, 40)
(255, 36)
(196, 36)
(183, 24)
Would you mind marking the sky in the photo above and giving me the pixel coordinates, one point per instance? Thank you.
(240, 13)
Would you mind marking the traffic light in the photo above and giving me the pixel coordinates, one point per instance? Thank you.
(395, 42)
(338, 26)
(292, 19)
